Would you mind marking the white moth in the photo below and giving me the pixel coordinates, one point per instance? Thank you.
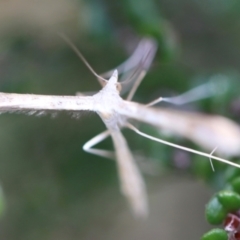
(207, 131)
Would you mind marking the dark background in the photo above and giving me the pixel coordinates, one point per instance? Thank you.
(54, 190)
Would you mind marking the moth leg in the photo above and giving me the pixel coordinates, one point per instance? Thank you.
(130, 126)
(95, 140)
(203, 91)
(154, 102)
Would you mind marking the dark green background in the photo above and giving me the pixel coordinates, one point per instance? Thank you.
(54, 190)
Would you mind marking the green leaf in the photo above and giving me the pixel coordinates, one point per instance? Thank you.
(215, 234)
(215, 212)
(229, 199)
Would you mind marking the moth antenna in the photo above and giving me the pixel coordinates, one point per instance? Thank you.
(210, 159)
(79, 54)
(181, 147)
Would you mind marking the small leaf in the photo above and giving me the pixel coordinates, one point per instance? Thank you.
(215, 212)
(229, 199)
(215, 234)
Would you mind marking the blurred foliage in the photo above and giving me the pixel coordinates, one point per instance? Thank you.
(53, 190)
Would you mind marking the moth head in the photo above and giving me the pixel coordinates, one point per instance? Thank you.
(113, 81)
